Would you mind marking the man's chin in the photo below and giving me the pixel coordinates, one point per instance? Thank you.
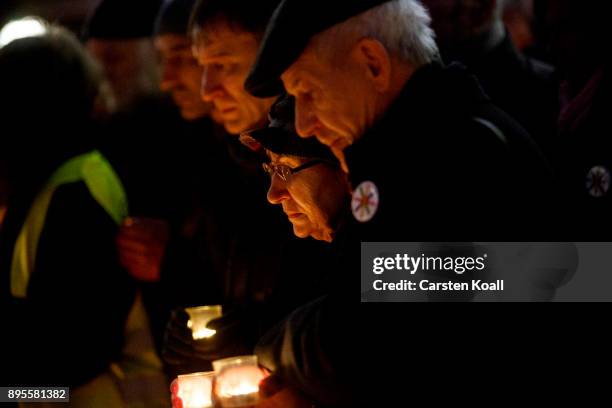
(191, 115)
(234, 127)
(301, 232)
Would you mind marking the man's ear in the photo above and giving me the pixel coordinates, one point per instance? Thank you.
(376, 61)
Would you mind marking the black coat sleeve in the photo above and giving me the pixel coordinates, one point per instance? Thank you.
(311, 350)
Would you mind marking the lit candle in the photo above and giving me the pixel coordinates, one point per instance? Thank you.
(199, 318)
(195, 390)
(237, 381)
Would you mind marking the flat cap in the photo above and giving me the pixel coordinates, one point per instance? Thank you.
(280, 136)
(289, 31)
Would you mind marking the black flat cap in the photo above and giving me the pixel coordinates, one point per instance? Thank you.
(122, 20)
(173, 17)
(289, 31)
(280, 136)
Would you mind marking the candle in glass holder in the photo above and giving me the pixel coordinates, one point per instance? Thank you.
(195, 390)
(237, 381)
(199, 318)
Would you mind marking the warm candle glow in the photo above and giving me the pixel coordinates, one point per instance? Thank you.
(237, 381)
(199, 318)
(242, 387)
(202, 333)
(195, 390)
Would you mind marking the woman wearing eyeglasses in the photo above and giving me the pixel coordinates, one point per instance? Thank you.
(305, 177)
(306, 180)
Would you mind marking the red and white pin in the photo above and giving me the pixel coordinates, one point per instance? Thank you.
(365, 201)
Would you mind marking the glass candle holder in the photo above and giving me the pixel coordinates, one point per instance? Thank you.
(237, 381)
(199, 318)
(195, 390)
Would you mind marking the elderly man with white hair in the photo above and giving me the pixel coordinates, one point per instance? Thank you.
(428, 155)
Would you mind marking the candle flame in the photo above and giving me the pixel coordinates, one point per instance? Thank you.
(236, 390)
(203, 333)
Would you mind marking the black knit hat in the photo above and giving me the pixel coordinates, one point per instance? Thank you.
(280, 136)
(122, 19)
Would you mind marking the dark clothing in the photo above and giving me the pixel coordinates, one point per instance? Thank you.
(311, 349)
(448, 165)
(523, 87)
(147, 147)
(584, 160)
(71, 325)
(247, 259)
(462, 170)
(200, 223)
(165, 165)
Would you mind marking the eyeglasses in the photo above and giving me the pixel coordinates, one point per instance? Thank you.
(285, 172)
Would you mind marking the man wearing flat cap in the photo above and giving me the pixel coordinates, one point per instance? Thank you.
(428, 155)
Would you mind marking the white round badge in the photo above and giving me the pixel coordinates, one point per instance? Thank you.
(365, 201)
(598, 181)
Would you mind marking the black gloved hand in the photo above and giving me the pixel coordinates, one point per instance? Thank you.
(236, 334)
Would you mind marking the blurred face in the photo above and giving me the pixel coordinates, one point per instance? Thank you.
(334, 100)
(181, 75)
(226, 54)
(313, 199)
(455, 21)
(129, 65)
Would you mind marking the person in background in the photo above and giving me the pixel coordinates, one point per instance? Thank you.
(182, 261)
(181, 76)
(473, 33)
(151, 146)
(69, 301)
(577, 40)
(518, 16)
(118, 35)
(269, 272)
(256, 235)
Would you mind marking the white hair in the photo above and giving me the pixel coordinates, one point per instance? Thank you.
(402, 26)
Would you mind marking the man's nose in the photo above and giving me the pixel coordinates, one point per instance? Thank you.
(169, 79)
(305, 120)
(210, 86)
(277, 193)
